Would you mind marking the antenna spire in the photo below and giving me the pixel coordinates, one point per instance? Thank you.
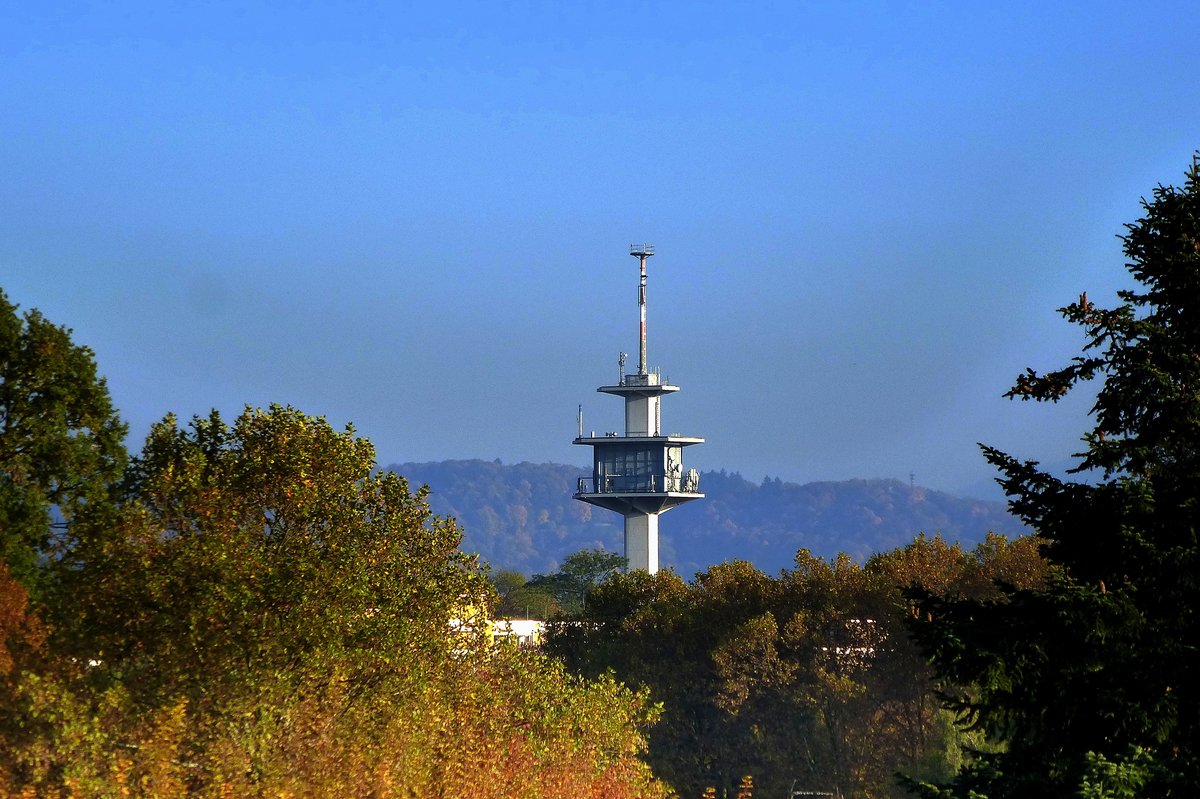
(642, 252)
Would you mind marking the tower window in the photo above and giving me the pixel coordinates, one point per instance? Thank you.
(629, 467)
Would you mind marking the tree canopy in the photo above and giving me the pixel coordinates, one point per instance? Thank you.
(269, 547)
(60, 439)
(807, 676)
(579, 573)
(1088, 686)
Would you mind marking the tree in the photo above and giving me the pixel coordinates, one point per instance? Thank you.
(269, 547)
(265, 614)
(506, 581)
(643, 627)
(60, 439)
(1088, 685)
(519, 599)
(809, 676)
(22, 638)
(253, 571)
(580, 572)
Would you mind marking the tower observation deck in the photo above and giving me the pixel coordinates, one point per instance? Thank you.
(639, 473)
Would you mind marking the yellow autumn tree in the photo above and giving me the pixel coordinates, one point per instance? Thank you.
(264, 613)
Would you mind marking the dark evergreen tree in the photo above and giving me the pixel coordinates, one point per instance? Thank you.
(1090, 686)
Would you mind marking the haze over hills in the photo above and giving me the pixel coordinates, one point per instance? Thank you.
(522, 516)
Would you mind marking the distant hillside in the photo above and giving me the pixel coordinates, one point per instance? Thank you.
(522, 516)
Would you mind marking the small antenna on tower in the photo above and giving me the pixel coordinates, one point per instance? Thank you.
(642, 252)
(621, 369)
(580, 420)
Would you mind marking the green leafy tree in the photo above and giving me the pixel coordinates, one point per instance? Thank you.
(732, 657)
(253, 570)
(529, 602)
(269, 547)
(506, 581)
(1088, 684)
(519, 599)
(60, 439)
(808, 676)
(908, 729)
(641, 627)
(580, 572)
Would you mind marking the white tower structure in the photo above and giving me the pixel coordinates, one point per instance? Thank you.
(639, 473)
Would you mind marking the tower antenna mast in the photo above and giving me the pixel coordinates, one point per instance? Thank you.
(642, 252)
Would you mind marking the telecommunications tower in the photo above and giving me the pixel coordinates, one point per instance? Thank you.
(639, 473)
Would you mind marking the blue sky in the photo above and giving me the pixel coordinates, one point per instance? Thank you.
(416, 218)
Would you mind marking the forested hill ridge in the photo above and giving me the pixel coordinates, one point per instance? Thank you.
(522, 516)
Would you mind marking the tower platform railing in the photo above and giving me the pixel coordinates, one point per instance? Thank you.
(651, 378)
(614, 434)
(688, 483)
